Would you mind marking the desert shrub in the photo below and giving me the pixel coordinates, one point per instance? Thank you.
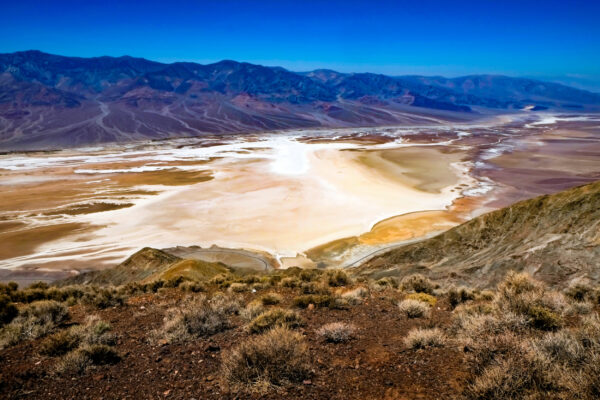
(8, 310)
(273, 280)
(417, 283)
(270, 299)
(75, 362)
(355, 296)
(424, 297)
(579, 291)
(252, 310)
(319, 300)
(276, 358)
(485, 295)
(154, 286)
(8, 288)
(60, 343)
(337, 278)
(290, 282)
(174, 282)
(101, 354)
(459, 295)
(544, 318)
(193, 287)
(337, 332)
(276, 317)
(309, 275)
(474, 309)
(562, 347)
(237, 287)
(255, 287)
(224, 304)
(422, 338)
(250, 279)
(581, 308)
(92, 332)
(513, 378)
(39, 285)
(35, 320)
(516, 284)
(388, 281)
(222, 280)
(314, 288)
(104, 298)
(413, 308)
(195, 318)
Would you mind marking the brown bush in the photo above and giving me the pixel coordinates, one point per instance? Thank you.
(422, 338)
(337, 278)
(424, 297)
(275, 358)
(276, 317)
(337, 332)
(413, 308)
(8, 310)
(417, 283)
(269, 299)
(195, 318)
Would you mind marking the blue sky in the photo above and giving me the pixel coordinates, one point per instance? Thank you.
(557, 40)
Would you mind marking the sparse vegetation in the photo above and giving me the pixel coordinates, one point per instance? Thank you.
(337, 332)
(8, 310)
(197, 317)
(417, 283)
(337, 278)
(269, 299)
(33, 321)
(319, 300)
(424, 297)
(413, 308)
(275, 358)
(422, 338)
(276, 317)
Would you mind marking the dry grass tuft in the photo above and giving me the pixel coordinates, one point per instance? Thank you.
(424, 297)
(337, 332)
(413, 308)
(422, 338)
(269, 299)
(276, 317)
(417, 283)
(276, 358)
(196, 318)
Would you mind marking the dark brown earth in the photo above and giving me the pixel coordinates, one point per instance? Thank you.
(374, 365)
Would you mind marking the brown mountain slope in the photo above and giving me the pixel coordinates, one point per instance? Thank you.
(556, 238)
(139, 266)
(149, 265)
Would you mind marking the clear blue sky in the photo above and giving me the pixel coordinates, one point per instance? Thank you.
(547, 39)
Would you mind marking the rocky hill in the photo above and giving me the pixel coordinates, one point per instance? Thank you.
(49, 101)
(555, 238)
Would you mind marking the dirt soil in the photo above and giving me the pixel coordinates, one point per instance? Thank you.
(374, 365)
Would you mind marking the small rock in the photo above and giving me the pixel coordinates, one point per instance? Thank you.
(310, 307)
(167, 392)
(210, 378)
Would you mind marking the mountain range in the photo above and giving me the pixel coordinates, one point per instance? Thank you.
(50, 101)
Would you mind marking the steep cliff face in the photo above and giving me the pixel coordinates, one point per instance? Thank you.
(556, 238)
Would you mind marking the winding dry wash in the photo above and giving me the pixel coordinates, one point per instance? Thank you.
(328, 197)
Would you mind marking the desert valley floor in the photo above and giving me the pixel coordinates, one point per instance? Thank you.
(306, 197)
